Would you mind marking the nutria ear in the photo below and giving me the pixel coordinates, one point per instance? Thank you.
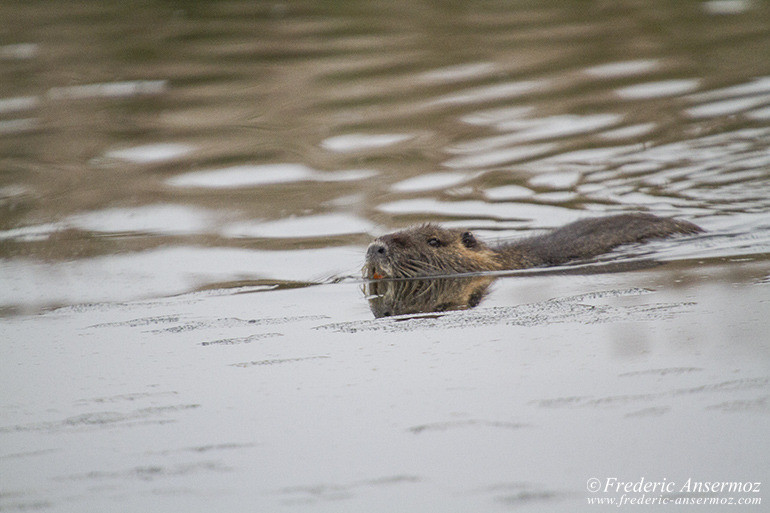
(469, 241)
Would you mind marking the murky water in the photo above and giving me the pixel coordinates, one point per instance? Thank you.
(190, 146)
(195, 184)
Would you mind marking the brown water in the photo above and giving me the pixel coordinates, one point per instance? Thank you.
(152, 149)
(160, 159)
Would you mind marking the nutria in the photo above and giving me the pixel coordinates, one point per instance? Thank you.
(429, 250)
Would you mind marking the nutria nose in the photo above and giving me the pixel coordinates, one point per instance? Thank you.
(376, 249)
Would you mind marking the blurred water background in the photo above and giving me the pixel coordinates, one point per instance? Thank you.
(150, 148)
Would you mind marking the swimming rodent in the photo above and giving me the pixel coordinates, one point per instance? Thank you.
(429, 250)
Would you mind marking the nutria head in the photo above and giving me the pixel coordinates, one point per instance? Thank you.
(427, 250)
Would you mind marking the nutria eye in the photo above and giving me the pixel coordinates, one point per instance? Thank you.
(433, 241)
(469, 241)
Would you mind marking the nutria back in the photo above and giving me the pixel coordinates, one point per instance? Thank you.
(588, 238)
(429, 250)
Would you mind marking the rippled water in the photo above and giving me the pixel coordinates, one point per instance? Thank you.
(173, 151)
(154, 150)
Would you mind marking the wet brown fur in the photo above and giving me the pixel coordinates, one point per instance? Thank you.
(429, 250)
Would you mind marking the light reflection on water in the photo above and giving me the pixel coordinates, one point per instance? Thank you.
(302, 128)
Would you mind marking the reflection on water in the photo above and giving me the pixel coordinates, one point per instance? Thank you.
(409, 296)
(294, 129)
